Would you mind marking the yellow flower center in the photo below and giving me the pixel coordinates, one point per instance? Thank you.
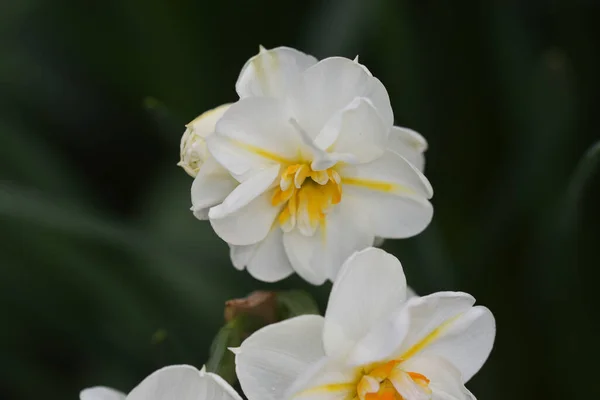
(306, 201)
(381, 381)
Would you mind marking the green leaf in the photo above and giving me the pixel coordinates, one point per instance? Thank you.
(292, 303)
(221, 360)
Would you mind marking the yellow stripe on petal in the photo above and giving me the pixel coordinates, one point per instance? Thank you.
(263, 153)
(427, 340)
(380, 186)
(350, 387)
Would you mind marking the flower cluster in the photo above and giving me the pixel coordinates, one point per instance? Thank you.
(304, 173)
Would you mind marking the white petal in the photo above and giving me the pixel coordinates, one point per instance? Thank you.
(370, 285)
(272, 358)
(101, 393)
(409, 144)
(392, 216)
(211, 186)
(329, 86)
(357, 129)
(382, 340)
(246, 215)
(265, 260)
(445, 380)
(250, 224)
(241, 255)
(246, 192)
(318, 257)
(328, 379)
(466, 342)
(303, 253)
(271, 72)
(392, 192)
(253, 134)
(429, 316)
(182, 382)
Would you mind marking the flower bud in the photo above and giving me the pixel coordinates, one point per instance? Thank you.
(193, 142)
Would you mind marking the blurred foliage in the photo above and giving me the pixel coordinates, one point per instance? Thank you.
(104, 273)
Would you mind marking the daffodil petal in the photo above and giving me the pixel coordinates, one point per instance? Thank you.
(382, 339)
(409, 144)
(300, 250)
(466, 342)
(249, 225)
(272, 72)
(183, 382)
(265, 260)
(370, 285)
(253, 134)
(392, 192)
(247, 191)
(318, 257)
(272, 358)
(392, 216)
(101, 393)
(329, 86)
(327, 379)
(246, 216)
(445, 380)
(429, 317)
(357, 129)
(210, 187)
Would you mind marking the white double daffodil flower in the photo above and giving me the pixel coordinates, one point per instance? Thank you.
(176, 382)
(306, 167)
(372, 344)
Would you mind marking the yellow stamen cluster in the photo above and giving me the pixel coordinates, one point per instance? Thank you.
(306, 200)
(376, 384)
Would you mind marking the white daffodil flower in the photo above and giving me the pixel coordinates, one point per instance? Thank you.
(321, 169)
(372, 344)
(176, 382)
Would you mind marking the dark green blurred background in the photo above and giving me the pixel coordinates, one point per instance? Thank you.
(100, 256)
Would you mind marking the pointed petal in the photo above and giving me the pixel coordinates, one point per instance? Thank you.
(182, 382)
(369, 286)
(253, 134)
(272, 72)
(357, 129)
(265, 260)
(392, 192)
(329, 86)
(101, 393)
(272, 358)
